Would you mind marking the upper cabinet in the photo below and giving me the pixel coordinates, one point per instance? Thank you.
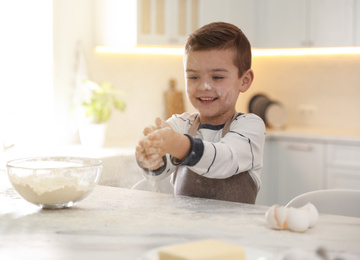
(306, 23)
(115, 23)
(332, 23)
(238, 12)
(357, 22)
(145, 22)
(267, 23)
(281, 23)
(164, 22)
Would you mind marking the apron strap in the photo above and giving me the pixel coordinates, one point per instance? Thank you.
(195, 125)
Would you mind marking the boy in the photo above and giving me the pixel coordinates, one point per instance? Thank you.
(217, 152)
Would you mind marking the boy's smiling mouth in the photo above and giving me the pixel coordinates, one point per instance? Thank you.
(207, 99)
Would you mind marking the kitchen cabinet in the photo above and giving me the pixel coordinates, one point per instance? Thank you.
(296, 163)
(332, 23)
(144, 22)
(238, 12)
(281, 23)
(267, 23)
(267, 194)
(115, 23)
(357, 22)
(289, 23)
(343, 166)
(306, 23)
(163, 22)
(299, 167)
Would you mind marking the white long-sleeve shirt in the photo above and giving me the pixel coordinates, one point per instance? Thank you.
(214, 156)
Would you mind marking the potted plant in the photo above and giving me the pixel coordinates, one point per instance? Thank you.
(101, 99)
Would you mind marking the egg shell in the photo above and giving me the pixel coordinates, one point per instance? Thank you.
(313, 213)
(276, 217)
(281, 216)
(270, 217)
(297, 219)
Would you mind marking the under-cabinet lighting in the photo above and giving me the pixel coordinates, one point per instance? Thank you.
(140, 50)
(305, 51)
(255, 51)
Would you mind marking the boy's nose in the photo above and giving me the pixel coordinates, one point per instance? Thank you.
(203, 85)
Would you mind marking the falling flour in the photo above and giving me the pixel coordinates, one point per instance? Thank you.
(49, 190)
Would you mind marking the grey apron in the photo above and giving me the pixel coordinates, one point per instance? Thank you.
(238, 188)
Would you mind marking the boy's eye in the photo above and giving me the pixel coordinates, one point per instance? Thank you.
(192, 77)
(217, 77)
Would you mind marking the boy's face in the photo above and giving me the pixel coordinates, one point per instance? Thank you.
(213, 84)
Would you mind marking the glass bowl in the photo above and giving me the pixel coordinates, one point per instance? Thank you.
(54, 182)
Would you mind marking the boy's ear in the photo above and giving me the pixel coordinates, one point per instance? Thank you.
(247, 79)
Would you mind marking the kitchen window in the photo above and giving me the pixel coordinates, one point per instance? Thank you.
(26, 63)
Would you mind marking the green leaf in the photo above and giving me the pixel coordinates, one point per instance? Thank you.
(103, 100)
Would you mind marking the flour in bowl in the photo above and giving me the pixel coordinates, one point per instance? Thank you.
(54, 189)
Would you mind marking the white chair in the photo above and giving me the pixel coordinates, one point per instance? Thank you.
(333, 201)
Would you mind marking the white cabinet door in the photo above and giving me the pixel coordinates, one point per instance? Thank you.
(238, 12)
(268, 190)
(165, 22)
(299, 168)
(281, 23)
(305, 23)
(115, 23)
(344, 178)
(343, 166)
(144, 22)
(357, 22)
(332, 23)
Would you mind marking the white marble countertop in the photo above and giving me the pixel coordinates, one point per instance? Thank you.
(116, 223)
(317, 134)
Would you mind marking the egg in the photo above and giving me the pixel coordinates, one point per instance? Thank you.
(270, 217)
(281, 216)
(298, 219)
(294, 219)
(276, 217)
(313, 213)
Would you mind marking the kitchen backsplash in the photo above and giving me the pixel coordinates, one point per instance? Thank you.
(316, 91)
(144, 79)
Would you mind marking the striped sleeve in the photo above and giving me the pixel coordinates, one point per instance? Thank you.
(240, 150)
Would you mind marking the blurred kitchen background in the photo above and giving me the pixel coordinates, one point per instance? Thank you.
(306, 56)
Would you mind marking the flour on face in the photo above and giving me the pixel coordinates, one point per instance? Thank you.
(207, 86)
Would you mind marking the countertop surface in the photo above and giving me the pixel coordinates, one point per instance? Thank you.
(319, 134)
(116, 223)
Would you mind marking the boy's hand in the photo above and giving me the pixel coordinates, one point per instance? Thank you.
(160, 140)
(166, 140)
(147, 157)
(151, 162)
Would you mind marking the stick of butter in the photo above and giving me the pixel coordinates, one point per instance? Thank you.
(202, 250)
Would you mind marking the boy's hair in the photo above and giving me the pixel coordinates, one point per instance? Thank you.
(221, 36)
